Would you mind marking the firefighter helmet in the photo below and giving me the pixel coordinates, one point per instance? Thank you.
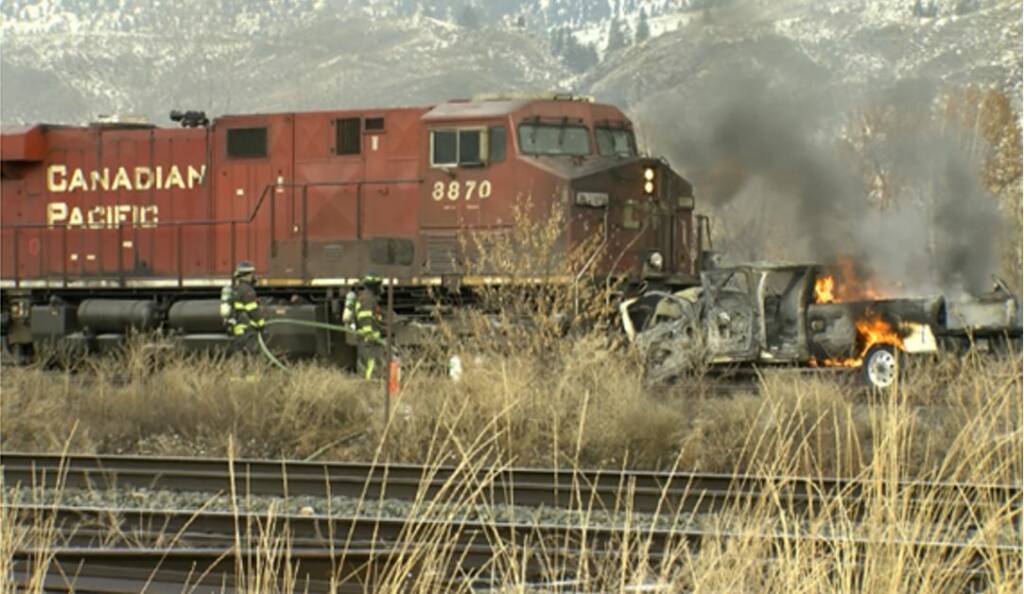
(244, 268)
(372, 281)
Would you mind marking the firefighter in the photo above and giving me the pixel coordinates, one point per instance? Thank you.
(245, 321)
(364, 312)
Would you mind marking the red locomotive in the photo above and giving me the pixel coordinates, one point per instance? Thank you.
(116, 225)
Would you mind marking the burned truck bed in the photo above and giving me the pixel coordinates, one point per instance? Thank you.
(789, 314)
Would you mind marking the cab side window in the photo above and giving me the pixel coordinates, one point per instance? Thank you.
(497, 141)
(444, 145)
(466, 147)
(469, 147)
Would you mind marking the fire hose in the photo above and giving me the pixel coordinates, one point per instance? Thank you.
(309, 324)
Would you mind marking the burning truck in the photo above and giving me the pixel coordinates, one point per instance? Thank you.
(808, 315)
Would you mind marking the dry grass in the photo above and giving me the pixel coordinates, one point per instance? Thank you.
(538, 400)
(793, 426)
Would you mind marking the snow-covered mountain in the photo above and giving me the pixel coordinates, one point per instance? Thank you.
(70, 60)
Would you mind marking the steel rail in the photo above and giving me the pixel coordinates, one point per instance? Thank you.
(323, 544)
(577, 489)
(324, 532)
(159, 570)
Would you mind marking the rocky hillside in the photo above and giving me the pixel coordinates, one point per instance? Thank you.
(80, 70)
(70, 60)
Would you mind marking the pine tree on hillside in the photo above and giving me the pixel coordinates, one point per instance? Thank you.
(468, 17)
(558, 41)
(616, 35)
(578, 57)
(643, 30)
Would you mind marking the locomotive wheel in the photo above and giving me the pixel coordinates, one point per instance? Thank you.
(881, 367)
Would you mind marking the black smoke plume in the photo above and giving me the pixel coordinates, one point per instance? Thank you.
(793, 171)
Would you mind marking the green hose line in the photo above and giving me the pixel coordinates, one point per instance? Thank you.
(263, 346)
(322, 325)
(309, 324)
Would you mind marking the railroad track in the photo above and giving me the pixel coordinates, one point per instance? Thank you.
(87, 570)
(176, 547)
(576, 489)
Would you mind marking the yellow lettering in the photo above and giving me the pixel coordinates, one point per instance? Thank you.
(75, 220)
(100, 179)
(148, 216)
(59, 178)
(94, 218)
(124, 212)
(174, 178)
(56, 179)
(77, 181)
(56, 212)
(121, 180)
(196, 176)
(143, 178)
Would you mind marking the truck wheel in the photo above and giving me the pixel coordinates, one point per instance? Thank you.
(881, 366)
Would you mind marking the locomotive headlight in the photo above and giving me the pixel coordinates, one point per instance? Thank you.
(649, 180)
(656, 260)
(592, 199)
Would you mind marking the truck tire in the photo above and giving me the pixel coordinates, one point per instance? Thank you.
(881, 367)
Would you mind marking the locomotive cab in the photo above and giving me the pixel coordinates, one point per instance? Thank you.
(490, 159)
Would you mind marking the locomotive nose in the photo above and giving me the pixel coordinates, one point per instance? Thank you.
(644, 209)
(643, 181)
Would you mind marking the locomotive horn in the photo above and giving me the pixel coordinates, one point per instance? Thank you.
(190, 119)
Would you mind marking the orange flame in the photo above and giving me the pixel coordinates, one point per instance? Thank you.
(824, 289)
(844, 283)
(872, 330)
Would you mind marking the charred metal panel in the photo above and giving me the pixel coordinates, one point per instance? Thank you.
(782, 294)
(832, 326)
(831, 330)
(733, 319)
(921, 310)
(981, 316)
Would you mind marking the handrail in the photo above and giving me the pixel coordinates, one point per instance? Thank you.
(611, 269)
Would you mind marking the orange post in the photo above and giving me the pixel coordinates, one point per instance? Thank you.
(394, 376)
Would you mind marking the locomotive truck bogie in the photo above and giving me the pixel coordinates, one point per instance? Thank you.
(120, 228)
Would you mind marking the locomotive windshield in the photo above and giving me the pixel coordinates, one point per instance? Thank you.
(548, 139)
(615, 142)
